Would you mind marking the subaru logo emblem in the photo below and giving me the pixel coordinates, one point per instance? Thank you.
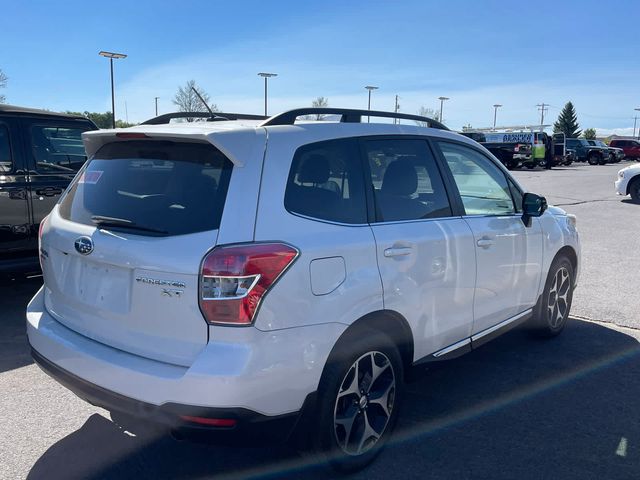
(84, 245)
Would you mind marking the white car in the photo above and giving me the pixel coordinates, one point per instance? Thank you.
(628, 182)
(250, 280)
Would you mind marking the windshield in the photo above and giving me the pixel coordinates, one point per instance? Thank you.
(151, 188)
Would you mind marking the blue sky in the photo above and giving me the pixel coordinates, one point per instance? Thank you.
(477, 53)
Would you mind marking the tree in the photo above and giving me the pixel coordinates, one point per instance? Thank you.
(187, 100)
(320, 102)
(3, 84)
(567, 122)
(102, 120)
(429, 113)
(589, 133)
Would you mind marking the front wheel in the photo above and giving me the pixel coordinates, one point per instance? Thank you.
(552, 310)
(358, 400)
(634, 190)
(593, 159)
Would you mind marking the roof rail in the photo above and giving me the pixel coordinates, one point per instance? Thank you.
(216, 117)
(348, 115)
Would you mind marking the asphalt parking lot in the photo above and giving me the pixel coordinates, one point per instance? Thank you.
(515, 408)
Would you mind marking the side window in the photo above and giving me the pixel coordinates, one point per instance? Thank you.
(482, 185)
(6, 161)
(57, 149)
(406, 181)
(326, 182)
(516, 194)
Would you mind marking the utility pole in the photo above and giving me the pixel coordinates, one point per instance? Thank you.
(634, 124)
(156, 105)
(543, 107)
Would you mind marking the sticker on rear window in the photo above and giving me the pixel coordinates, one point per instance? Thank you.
(90, 177)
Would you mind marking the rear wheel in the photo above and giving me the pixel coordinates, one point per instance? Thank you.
(358, 401)
(634, 190)
(552, 310)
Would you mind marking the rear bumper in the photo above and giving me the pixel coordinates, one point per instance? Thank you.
(248, 426)
(267, 373)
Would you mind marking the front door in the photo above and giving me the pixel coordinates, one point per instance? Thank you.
(14, 206)
(425, 253)
(508, 254)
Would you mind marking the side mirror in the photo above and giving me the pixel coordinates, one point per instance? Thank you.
(532, 206)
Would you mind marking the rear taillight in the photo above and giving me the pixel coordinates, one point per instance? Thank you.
(41, 227)
(42, 253)
(234, 279)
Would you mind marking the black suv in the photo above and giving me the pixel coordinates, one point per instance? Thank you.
(40, 152)
(585, 152)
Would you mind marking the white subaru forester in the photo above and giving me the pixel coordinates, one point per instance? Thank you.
(247, 280)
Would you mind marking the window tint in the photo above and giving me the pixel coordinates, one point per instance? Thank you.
(6, 163)
(326, 182)
(57, 149)
(406, 181)
(482, 185)
(151, 188)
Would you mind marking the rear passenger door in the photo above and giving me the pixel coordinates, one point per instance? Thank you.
(54, 153)
(14, 209)
(425, 253)
(508, 254)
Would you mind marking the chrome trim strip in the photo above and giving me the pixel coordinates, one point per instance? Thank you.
(504, 323)
(451, 348)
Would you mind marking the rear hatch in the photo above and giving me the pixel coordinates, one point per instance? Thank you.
(124, 246)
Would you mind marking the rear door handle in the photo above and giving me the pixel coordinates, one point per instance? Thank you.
(485, 242)
(49, 191)
(397, 251)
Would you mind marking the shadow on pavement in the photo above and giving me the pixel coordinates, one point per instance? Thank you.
(515, 408)
(14, 348)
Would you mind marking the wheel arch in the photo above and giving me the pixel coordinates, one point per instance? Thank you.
(388, 322)
(635, 178)
(570, 253)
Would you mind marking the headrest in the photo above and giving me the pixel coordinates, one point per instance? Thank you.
(314, 169)
(400, 178)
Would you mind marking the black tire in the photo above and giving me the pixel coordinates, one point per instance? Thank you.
(531, 166)
(593, 159)
(554, 305)
(353, 449)
(634, 190)
(568, 162)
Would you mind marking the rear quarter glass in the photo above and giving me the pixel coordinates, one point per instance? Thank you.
(151, 187)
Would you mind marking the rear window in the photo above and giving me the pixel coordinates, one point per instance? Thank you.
(151, 187)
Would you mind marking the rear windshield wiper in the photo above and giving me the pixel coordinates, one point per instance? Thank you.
(102, 221)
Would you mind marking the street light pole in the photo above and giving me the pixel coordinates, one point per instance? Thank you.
(156, 105)
(442, 99)
(634, 123)
(495, 114)
(111, 56)
(397, 107)
(370, 88)
(266, 76)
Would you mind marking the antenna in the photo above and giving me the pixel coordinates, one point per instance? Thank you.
(202, 100)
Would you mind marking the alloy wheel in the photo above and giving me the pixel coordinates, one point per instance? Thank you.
(364, 403)
(558, 300)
